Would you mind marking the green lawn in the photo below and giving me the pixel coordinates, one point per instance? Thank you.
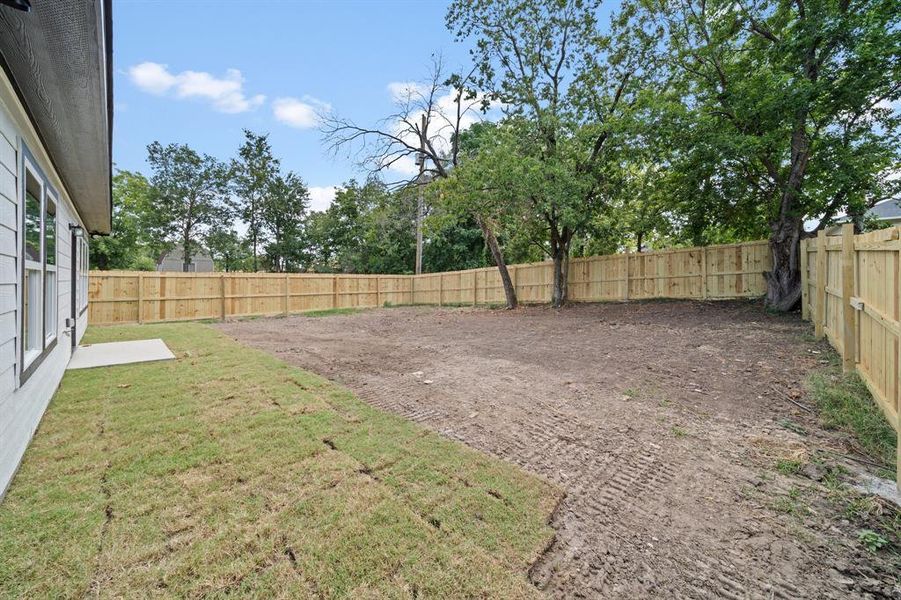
(229, 472)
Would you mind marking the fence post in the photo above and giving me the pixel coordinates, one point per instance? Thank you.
(513, 281)
(378, 291)
(412, 290)
(140, 297)
(286, 294)
(475, 287)
(626, 277)
(898, 382)
(440, 289)
(820, 317)
(222, 295)
(849, 314)
(805, 284)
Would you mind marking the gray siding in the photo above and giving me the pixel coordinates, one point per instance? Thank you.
(23, 405)
(173, 262)
(9, 226)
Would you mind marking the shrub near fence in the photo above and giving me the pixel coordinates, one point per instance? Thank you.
(851, 287)
(727, 271)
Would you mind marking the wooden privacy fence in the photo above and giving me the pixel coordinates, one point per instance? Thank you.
(851, 287)
(727, 271)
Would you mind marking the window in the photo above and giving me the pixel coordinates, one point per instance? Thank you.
(81, 264)
(51, 311)
(32, 291)
(40, 278)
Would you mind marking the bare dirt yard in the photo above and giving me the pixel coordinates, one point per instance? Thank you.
(671, 427)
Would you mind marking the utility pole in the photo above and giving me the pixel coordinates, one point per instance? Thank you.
(419, 202)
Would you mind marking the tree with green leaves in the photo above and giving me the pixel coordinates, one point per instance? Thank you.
(253, 177)
(187, 196)
(129, 245)
(455, 242)
(282, 217)
(428, 127)
(778, 112)
(563, 85)
(388, 242)
(338, 235)
(227, 249)
(371, 229)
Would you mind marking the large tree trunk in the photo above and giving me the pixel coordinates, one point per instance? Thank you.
(186, 249)
(253, 232)
(498, 256)
(560, 243)
(561, 272)
(783, 291)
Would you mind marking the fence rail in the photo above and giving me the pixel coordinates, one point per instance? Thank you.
(725, 271)
(851, 289)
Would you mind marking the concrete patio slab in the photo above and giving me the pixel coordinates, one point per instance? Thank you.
(119, 353)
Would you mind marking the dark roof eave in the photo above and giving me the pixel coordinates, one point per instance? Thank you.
(65, 92)
(108, 56)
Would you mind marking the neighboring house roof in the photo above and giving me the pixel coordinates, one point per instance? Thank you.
(58, 57)
(886, 210)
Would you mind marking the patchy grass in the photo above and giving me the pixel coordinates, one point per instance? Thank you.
(845, 403)
(868, 512)
(679, 432)
(793, 503)
(788, 466)
(792, 426)
(228, 472)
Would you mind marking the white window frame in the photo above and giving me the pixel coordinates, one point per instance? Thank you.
(30, 354)
(82, 264)
(46, 322)
(51, 311)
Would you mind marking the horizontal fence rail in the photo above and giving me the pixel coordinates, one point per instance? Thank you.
(851, 290)
(725, 271)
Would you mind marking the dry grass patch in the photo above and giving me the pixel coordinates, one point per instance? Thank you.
(228, 472)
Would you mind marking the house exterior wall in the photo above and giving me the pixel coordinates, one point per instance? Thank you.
(886, 223)
(172, 262)
(22, 403)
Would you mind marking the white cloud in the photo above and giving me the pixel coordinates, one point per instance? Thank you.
(401, 91)
(152, 77)
(300, 113)
(226, 94)
(321, 197)
(405, 166)
(894, 105)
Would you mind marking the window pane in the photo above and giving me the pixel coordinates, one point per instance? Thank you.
(32, 310)
(50, 305)
(32, 219)
(50, 233)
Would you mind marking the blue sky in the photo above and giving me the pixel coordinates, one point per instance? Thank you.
(199, 71)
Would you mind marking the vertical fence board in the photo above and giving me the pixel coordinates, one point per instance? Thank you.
(727, 271)
(857, 306)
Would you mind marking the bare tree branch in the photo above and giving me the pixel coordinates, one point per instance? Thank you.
(447, 104)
